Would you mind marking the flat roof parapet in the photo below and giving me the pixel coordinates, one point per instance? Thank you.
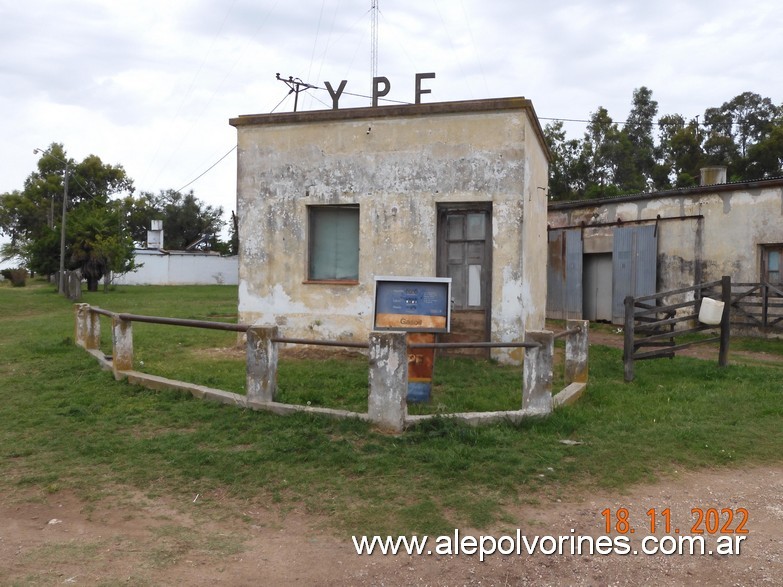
(459, 107)
(398, 110)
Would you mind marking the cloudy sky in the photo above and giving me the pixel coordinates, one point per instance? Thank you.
(151, 84)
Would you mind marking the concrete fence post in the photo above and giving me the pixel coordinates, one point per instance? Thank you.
(386, 401)
(576, 352)
(88, 327)
(537, 374)
(73, 285)
(81, 311)
(261, 382)
(122, 345)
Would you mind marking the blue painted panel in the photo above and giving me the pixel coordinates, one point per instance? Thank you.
(564, 274)
(634, 265)
(419, 391)
(412, 304)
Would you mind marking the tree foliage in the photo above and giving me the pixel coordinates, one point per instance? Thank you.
(33, 216)
(103, 221)
(640, 155)
(185, 219)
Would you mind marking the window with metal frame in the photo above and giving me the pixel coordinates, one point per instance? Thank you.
(771, 258)
(333, 245)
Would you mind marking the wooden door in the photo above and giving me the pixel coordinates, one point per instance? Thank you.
(465, 255)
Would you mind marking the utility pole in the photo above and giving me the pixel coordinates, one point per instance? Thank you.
(61, 284)
(62, 230)
(296, 85)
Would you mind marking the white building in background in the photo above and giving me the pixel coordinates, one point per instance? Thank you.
(160, 267)
(157, 266)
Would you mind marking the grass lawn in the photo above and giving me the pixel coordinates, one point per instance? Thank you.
(67, 425)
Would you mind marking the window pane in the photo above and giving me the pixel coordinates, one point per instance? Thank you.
(474, 285)
(457, 274)
(773, 261)
(476, 252)
(476, 226)
(334, 243)
(456, 252)
(455, 228)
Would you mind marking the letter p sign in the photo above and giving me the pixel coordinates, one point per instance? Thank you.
(376, 91)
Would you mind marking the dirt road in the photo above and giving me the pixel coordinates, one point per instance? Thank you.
(134, 540)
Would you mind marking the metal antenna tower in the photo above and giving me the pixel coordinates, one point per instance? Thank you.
(374, 39)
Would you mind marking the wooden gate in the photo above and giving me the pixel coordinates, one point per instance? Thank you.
(650, 324)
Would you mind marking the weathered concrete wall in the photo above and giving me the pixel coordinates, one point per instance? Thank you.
(534, 236)
(721, 230)
(397, 164)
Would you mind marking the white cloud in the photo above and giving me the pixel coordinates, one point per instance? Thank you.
(151, 85)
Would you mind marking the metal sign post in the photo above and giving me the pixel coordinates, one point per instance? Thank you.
(420, 306)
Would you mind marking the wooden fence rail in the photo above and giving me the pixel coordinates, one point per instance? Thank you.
(757, 306)
(650, 323)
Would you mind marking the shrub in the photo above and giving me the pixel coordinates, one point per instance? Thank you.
(17, 277)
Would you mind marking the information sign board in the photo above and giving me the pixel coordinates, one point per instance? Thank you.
(413, 304)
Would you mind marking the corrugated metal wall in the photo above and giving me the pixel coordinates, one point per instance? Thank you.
(634, 265)
(564, 274)
(634, 269)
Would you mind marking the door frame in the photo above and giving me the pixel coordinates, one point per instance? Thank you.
(441, 248)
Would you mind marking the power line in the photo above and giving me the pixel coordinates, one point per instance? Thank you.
(313, 87)
(578, 120)
(231, 150)
(297, 86)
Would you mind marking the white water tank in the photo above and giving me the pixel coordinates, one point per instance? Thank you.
(713, 175)
(155, 235)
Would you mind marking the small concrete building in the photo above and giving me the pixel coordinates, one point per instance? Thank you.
(327, 200)
(603, 250)
(158, 266)
(162, 267)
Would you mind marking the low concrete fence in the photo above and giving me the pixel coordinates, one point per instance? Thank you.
(387, 362)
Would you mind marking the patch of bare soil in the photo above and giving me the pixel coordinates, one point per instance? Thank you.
(136, 540)
(286, 352)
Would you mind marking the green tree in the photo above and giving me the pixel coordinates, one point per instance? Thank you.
(99, 245)
(736, 128)
(635, 150)
(679, 153)
(765, 158)
(745, 134)
(185, 219)
(563, 170)
(597, 161)
(32, 217)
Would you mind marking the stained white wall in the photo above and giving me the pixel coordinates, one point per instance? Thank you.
(398, 165)
(181, 269)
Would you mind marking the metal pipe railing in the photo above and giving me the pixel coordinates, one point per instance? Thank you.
(173, 321)
(473, 345)
(567, 332)
(349, 344)
(332, 343)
